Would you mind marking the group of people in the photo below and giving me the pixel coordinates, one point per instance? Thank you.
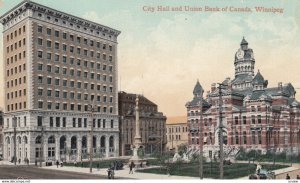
(288, 177)
(61, 163)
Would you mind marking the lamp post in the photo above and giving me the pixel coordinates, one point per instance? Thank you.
(15, 136)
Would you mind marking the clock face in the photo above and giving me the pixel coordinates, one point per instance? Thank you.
(240, 54)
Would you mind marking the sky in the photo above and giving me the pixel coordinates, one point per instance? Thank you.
(162, 54)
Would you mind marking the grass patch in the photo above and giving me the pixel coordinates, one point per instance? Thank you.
(100, 164)
(235, 170)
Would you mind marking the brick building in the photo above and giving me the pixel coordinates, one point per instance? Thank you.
(255, 116)
(177, 132)
(152, 124)
(56, 65)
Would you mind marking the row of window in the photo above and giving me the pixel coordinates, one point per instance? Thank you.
(177, 129)
(71, 95)
(57, 70)
(16, 106)
(71, 37)
(65, 106)
(177, 137)
(16, 45)
(79, 62)
(12, 83)
(15, 58)
(79, 51)
(15, 70)
(11, 95)
(57, 82)
(15, 33)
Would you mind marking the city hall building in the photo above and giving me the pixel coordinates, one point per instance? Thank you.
(254, 116)
(58, 69)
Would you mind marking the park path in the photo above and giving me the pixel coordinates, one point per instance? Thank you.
(119, 173)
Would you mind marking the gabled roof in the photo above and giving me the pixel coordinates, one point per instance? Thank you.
(241, 78)
(198, 88)
(258, 79)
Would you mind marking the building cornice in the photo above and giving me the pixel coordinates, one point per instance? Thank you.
(77, 21)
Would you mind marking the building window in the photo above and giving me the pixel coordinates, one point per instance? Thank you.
(252, 109)
(244, 120)
(40, 104)
(253, 137)
(39, 121)
(259, 119)
(74, 122)
(85, 122)
(48, 31)
(236, 119)
(40, 54)
(57, 121)
(253, 119)
(40, 29)
(79, 122)
(56, 33)
(112, 124)
(245, 137)
(259, 137)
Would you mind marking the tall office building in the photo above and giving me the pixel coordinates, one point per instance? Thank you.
(57, 66)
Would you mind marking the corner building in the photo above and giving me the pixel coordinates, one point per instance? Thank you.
(56, 67)
(254, 115)
(152, 124)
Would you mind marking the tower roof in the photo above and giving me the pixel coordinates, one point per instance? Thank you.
(244, 42)
(258, 79)
(198, 88)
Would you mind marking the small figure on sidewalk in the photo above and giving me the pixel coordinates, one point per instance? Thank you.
(288, 176)
(75, 163)
(98, 167)
(61, 163)
(35, 163)
(110, 173)
(141, 165)
(19, 161)
(130, 167)
(57, 163)
(298, 177)
(27, 161)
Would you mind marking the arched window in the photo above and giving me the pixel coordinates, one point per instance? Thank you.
(84, 142)
(51, 140)
(38, 140)
(111, 141)
(62, 142)
(102, 143)
(25, 140)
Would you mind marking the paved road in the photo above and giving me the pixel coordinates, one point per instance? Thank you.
(31, 172)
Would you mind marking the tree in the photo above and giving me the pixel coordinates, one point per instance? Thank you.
(182, 148)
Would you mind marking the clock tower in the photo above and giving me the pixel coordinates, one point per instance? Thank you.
(244, 60)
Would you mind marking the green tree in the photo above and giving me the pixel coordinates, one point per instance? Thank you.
(182, 148)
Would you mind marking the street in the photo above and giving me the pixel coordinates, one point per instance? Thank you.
(32, 172)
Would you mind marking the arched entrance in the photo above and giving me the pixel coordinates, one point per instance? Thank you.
(84, 147)
(73, 152)
(102, 146)
(63, 147)
(111, 144)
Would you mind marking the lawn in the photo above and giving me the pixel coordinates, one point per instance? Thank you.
(211, 170)
(100, 164)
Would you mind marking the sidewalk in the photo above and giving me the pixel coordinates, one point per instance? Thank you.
(119, 173)
(279, 171)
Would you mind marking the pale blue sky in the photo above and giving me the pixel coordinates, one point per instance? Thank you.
(162, 54)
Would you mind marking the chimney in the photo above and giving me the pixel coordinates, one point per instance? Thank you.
(213, 87)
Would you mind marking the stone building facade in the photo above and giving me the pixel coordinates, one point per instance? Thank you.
(1, 134)
(254, 115)
(57, 67)
(177, 132)
(152, 124)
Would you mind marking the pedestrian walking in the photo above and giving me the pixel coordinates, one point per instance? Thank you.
(75, 163)
(298, 177)
(131, 167)
(288, 176)
(19, 161)
(27, 161)
(57, 163)
(141, 165)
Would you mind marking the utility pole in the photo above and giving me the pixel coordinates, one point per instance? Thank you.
(91, 137)
(15, 141)
(200, 125)
(221, 141)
